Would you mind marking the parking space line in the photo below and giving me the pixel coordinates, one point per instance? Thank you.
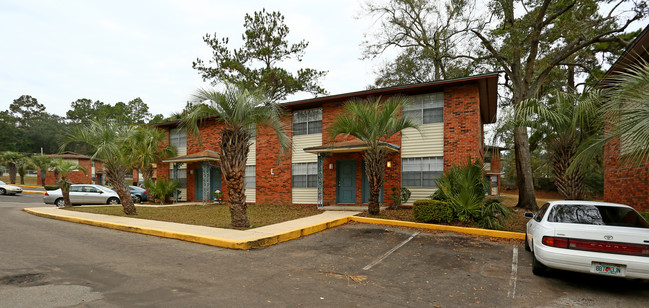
(385, 255)
(512, 280)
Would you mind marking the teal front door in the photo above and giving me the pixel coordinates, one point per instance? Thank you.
(215, 182)
(346, 181)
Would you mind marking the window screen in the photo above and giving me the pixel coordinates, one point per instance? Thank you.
(307, 122)
(178, 137)
(305, 175)
(425, 109)
(421, 171)
(250, 176)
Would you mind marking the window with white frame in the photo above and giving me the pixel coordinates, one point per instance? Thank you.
(426, 108)
(307, 122)
(421, 171)
(178, 137)
(250, 176)
(305, 175)
(182, 177)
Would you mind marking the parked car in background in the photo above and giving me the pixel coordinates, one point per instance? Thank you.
(83, 194)
(6, 189)
(589, 237)
(138, 194)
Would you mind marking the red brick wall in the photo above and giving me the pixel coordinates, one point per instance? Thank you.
(462, 125)
(273, 178)
(75, 177)
(625, 184)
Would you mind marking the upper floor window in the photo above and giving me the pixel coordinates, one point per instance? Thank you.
(426, 108)
(307, 122)
(421, 171)
(178, 137)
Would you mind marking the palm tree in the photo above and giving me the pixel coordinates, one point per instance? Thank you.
(11, 160)
(110, 143)
(42, 162)
(372, 121)
(22, 165)
(63, 167)
(237, 110)
(566, 123)
(148, 149)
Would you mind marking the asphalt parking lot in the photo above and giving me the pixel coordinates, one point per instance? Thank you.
(351, 265)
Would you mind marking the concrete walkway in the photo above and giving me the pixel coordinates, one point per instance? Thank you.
(229, 238)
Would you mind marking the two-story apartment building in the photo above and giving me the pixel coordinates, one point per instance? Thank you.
(94, 170)
(325, 171)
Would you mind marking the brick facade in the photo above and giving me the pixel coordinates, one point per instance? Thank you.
(274, 181)
(625, 184)
(462, 126)
(76, 177)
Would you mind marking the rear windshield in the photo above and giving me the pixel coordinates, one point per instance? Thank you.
(597, 215)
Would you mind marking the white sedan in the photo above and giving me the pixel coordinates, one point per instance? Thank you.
(589, 237)
(83, 194)
(6, 189)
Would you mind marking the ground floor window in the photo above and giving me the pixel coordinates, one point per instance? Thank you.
(305, 175)
(250, 176)
(421, 171)
(182, 177)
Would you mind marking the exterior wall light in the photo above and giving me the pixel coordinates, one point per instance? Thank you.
(389, 164)
(331, 166)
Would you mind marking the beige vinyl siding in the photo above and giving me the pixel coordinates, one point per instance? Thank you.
(419, 193)
(182, 151)
(429, 143)
(251, 195)
(305, 195)
(252, 153)
(304, 141)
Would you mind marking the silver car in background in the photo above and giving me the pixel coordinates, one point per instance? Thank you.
(6, 189)
(83, 194)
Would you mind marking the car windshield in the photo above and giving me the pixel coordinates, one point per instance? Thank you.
(597, 215)
(2, 183)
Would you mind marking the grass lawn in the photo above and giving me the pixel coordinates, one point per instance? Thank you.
(211, 215)
(29, 180)
(515, 223)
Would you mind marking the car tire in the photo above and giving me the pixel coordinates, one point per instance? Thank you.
(538, 268)
(59, 202)
(112, 201)
(3, 191)
(138, 199)
(527, 244)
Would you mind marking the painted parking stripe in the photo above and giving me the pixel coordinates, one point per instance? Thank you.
(512, 279)
(385, 255)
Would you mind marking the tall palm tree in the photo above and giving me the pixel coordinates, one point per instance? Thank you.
(23, 163)
(372, 121)
(237, 110)
(42, 163)
(11, 160)
(110, 144)
(148, 149)
(63, 167)
(564, 123)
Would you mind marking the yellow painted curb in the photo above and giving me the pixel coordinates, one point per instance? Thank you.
(244, 244)
(30, 186)
(477, 231)
(33, 192)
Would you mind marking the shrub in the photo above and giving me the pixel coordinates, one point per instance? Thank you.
(400, 195)
(492, 214)
(432, 211)
(645, 215)
(51, 187)
(161, 189)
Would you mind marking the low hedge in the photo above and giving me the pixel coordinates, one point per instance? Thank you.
(432, 211)
(51, 187)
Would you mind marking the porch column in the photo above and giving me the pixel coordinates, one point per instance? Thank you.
(207, 170)
(175, 177)
(321, 159)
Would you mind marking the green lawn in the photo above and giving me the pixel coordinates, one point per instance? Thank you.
(29, 180)
(211, 215)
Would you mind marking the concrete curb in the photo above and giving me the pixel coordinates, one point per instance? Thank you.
(477, 231)
(244, 244)
(29, 186)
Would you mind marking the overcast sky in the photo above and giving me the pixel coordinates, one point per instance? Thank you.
(112, 51)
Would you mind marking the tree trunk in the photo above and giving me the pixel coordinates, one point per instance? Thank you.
(375, 160)
(569, 185)
(43, 172)
(147, 173)
(234, 152)
(525, 182)
(65, 191)
(22, 179)
(117, 178)
(12, 173)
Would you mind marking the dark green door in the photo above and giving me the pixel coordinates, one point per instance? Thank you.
(366, 189)
(215, 182)
(346, 179)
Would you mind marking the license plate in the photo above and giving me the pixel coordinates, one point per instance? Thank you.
(608, 269)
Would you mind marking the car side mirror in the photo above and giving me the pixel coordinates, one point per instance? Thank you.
(529, 214)
(101, 192)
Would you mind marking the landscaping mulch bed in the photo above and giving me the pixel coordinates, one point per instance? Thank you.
(210, 215)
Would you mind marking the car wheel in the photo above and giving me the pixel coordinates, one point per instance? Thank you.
(59, 202)
(3, 191)
(138, 199)
(527, 244)
(538, 268)
(113, 201)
